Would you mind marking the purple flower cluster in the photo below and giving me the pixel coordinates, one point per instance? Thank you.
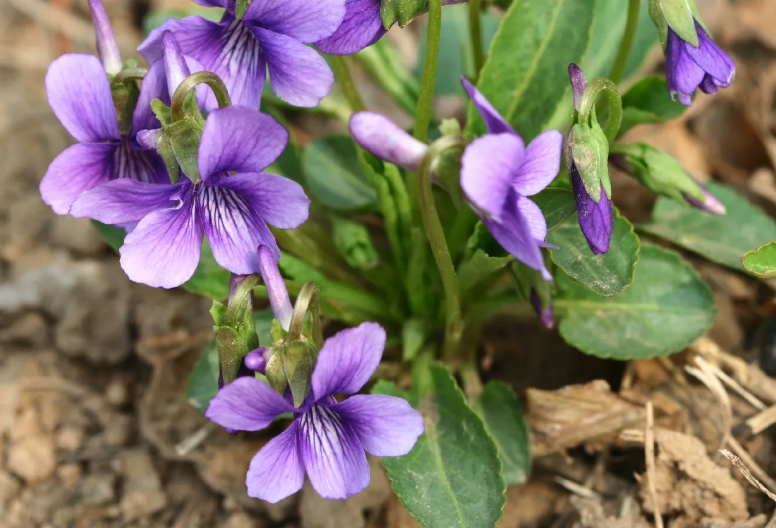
(327, 440)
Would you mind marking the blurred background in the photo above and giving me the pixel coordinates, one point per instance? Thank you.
(95, 429)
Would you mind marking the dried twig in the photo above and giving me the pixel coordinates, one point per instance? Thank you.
(577, 489)
(745, 472)
(649, 455)
(762, 420)
(755, 468)
(191, 442)
(750, 398)
(706, 375)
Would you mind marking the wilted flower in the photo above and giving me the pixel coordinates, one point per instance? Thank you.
(270, 35)
(587, 153)
(79, 92)
(327, 439)
(232, 210)
(498, 173)
(361, 27)
(705, 66)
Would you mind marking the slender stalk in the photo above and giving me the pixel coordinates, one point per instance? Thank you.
(608, 89)
(342, 72)
(475, 34)
(430, 63)
(627, 41)
(137, 74)
(191, 82)
(436, 239)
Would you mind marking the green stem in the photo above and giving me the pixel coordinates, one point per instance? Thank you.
(306, 301)
(475, 34)
(348, 85)
(436, 239)
(608, 89)
(627, 41)
(430, 63)
(191, 82)
(135, 74)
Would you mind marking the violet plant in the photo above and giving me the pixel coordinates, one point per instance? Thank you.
(409, 240)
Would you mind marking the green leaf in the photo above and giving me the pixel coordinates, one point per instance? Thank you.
(719, 238)
(608, 28)
(479, 268)
(203, 381)
(334, 175)
(385, 64)
(113, 235)
(525, 76)
(647, 102)
(666, 308)
(209, 278)
(761, 262)
(457, 58)
(501, 410)
(556, 205)
(452, 477)
(606, 274)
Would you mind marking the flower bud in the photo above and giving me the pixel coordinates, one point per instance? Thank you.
(677, 15)
(290, 366)
(235, 328)
(174, 63)
(662, 174)
(256, 361)
(380, 136)
(276, 287)
(107, 48)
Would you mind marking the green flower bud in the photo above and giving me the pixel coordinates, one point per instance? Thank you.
(291, 366)
(588, 149)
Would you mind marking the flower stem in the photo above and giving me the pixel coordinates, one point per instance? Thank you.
(190, 82)
(436, 239)
(342, 72)
(430, 63)
(608, 89)
(475, 34)
(627, 41)
(136, 74)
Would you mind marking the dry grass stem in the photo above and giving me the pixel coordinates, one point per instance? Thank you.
(762, 420)
(745, 472)
(755, 468)
(706, 374)
(649, 455)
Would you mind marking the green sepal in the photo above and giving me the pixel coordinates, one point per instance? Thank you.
(235, 330)
(125, 96)
(277, 332)
(240, 8)
(448, 172)
(185, 137)
(660, 172)
(162, 112)
(218, 312)
(299, 363)
(407, 10)
(388, 13)
(450, 127)
(354, 243)
(276, 370)
(589, 151)
(165, 151)
(678, 15)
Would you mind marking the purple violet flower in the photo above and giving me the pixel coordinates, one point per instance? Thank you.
(79, 93)
(688, 67)
(232, 210)
(327, 439)
(383, 138)
(361, 27)
(271, 35)
(498, 173)
(596, 219)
